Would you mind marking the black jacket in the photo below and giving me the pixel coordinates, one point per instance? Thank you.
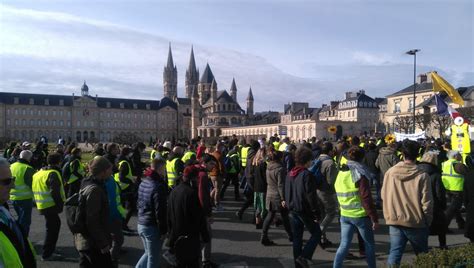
(439, 223)
(369, 161)
(300, 192)
(152, 201)
(185, 215)
(260, 178)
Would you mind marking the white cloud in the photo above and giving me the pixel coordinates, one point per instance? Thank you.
(366, 58)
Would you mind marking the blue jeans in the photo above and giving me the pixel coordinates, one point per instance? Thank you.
(23, 210)
(348, 226)
(376, 183)
(150, 236)
(399, 236)
(298, 221)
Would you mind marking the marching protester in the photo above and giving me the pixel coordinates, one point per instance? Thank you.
(49, 195)
(15, 249)
(407, 204)
(22, 195)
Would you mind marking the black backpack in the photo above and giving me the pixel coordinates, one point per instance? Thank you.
(75, 210)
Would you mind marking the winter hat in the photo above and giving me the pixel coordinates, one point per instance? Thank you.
(99, 164)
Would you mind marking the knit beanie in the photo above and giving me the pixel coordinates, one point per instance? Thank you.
(99, 164)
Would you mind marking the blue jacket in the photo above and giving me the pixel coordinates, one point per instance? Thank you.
(110, 185)
(152, 201)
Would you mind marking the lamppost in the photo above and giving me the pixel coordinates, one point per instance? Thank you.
(413, 52)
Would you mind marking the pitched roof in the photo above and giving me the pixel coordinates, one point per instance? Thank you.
(250, 95)
(419, 87)
(207, 76)
(38, 99)
(127, 103)
(170, 63)
(184, 101)
(167, 102)
(233, 87)
(465, 93)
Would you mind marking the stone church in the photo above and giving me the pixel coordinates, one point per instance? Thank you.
(205, 109)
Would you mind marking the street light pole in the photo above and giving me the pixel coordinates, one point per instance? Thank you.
(413, 52)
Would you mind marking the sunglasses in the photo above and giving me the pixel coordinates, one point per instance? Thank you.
(7, 181)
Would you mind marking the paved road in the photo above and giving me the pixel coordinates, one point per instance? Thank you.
(235, 244)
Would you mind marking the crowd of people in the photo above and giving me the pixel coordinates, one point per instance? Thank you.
(419, 186)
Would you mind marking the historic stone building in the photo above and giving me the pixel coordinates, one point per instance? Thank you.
(203, 111)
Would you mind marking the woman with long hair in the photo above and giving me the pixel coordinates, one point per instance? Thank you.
(259, 169)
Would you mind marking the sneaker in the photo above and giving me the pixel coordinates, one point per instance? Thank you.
(170, 258)
(302, 261)
(239, 214)
(325, 243)
(52, 257)
(209, 264)
(267, 242)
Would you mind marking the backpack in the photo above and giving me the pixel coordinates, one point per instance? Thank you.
(66, 172)
(230, 165)
(315, 169)
(75, 211)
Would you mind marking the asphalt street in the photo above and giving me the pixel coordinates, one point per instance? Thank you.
(236, 243)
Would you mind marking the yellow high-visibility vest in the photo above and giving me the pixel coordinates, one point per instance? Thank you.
(188, 156)
(171, 172)
(41, 191)
(21, 191)
(123, 185)
(452, 180)
(245, 154)
(348, 196)
(460, 140)
(81, 170)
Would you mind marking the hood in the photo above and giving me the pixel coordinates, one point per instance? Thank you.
(297, 170)
(428, 168)
(273, 165)
(405, 171)
(387, 150)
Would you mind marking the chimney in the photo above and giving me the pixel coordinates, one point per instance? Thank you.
(421, 78)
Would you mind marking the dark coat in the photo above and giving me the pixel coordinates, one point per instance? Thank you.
(439, 223)
(259, 176)
(97, 217)
(185, 215)
(152, 201)
(469, 203)
(276, 175)
(300, 192)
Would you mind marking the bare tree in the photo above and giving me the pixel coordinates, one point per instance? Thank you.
(423, 121)
(467, 112)
(440, 122)
(404, 123)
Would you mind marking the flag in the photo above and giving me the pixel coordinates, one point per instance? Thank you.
(443, 108)
(439, 84)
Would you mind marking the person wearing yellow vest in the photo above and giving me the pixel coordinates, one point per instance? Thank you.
(189, 156)
(460, 140)
(174, 166)
(244, 152)
(76, 172)
(154, 152)
(356, 206)
(282, 147)
(15, 249)
(94, 247)
(22, 195)
(453, 171)
(126, 181)
(48, 192)
(232, 173)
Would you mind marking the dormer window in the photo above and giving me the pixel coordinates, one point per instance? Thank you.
(61, 102)
(46, 101)
(135, 106)
(32, 101)
(122, 105)
(16, 100)
(108, 104)
(148, 106)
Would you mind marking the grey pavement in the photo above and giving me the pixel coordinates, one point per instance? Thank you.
(236, 243)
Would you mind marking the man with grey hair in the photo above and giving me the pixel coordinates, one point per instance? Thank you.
(22, 195)
(453, 180)
(15, 248)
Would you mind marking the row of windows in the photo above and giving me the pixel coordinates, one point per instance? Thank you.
(38, 112)
(364, 104)
(31, 101)
(38, 123)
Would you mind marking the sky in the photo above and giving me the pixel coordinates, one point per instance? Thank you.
(311, 51)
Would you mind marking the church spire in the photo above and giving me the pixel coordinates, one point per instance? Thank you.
(250, 103)
(170, 78)
(250, 95)
(170, 58)
(192, 75)
(233, 90)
